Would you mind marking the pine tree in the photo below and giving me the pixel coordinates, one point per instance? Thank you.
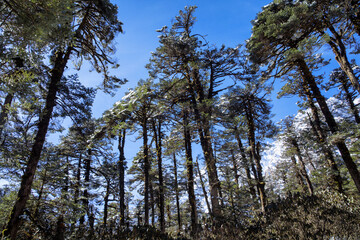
(290, 53)
(202, 70)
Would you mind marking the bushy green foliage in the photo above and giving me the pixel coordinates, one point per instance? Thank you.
(325, 215)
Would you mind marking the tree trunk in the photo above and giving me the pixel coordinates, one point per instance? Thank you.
(5, 108)
(302, 169)
(309, 79)
(203, 127)
(231, 195)
(91, 221)
(106, 204)
(211, 169)
(40, 195)
(5, 111)
(28, 177)
(146, 170)
(322, 138)
(65, 190)
(168, 212)
(297, 174)
(77, 189)
(121, 146)
(254, 152)
(60, 229)
(203, 188)
(177, 193)
(158, 143)
(190, 172)
(87, 185)
(350, 101)
(245, 163)
(152, 202)
(78, 180)
(235, 168)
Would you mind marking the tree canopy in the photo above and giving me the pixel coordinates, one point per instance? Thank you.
(210, 162)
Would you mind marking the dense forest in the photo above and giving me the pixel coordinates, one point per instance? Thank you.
(204, 119)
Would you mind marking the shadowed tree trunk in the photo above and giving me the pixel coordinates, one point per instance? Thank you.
(169, 217)
(91, 223)
(87, 185)
(235, 168)
(203, 188)
(158, 142)
(302, 169)
(177, 193)
(77, 188)
(60, 229)
(190, 172)
(106, 204)
(254, 152)
(146, 169)
(322, 138)
(197, 96)
(152, 202)
(204, 134)
(297, 174)
(245, 163)
(121, 146)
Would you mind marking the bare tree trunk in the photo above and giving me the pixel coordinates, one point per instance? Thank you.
(309, 79)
